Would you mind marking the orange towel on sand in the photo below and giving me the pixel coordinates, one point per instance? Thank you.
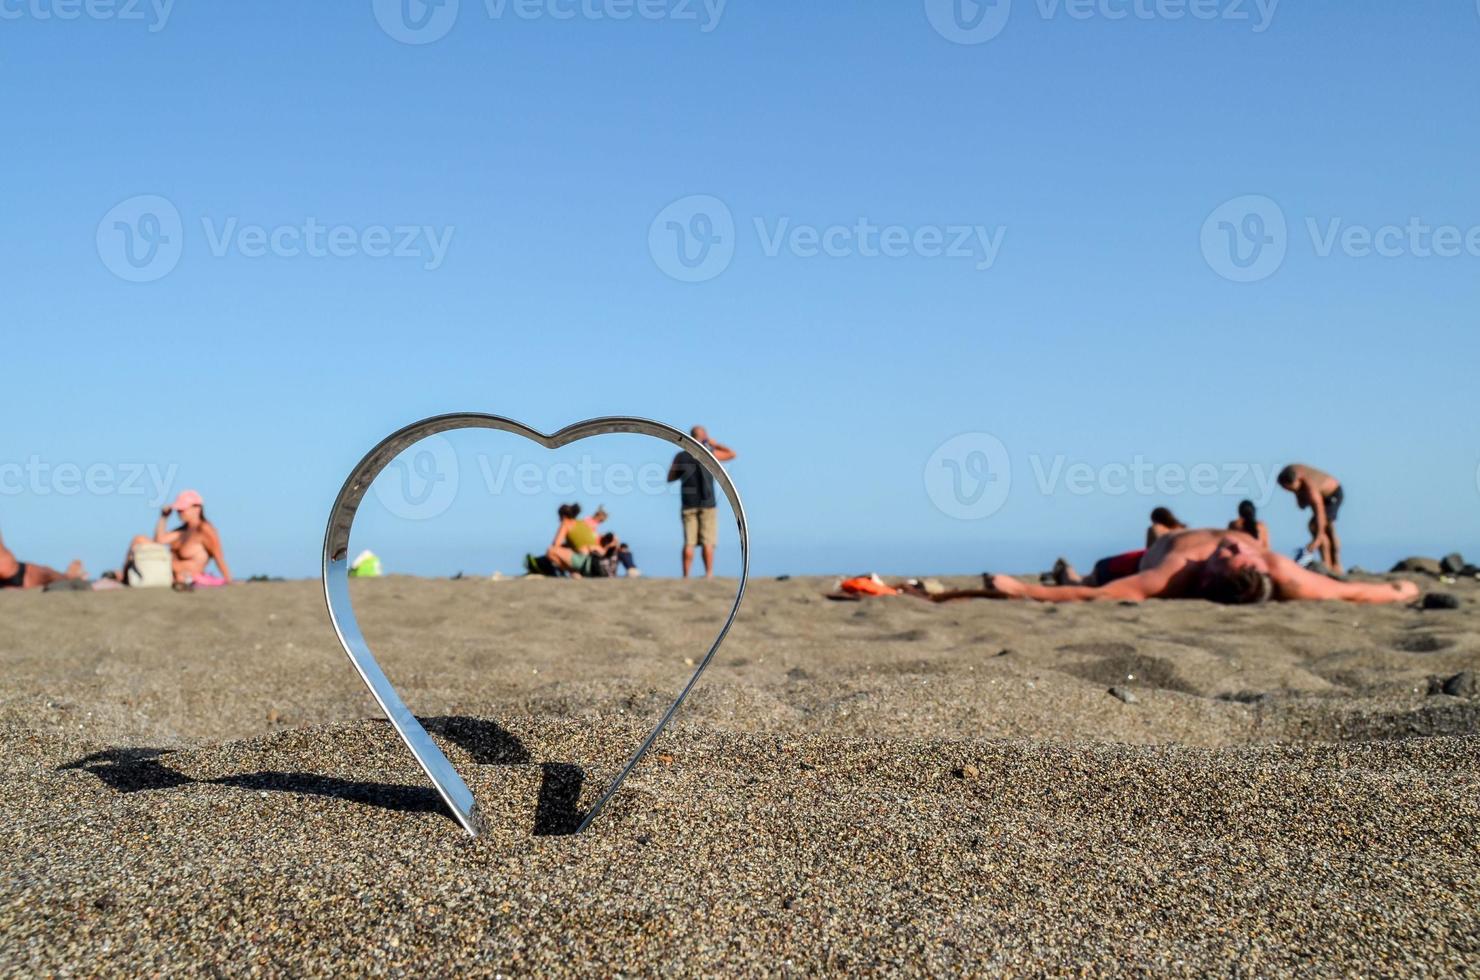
(866, 585)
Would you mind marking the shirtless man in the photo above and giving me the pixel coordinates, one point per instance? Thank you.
(1223, 566)
(193, 545)
(16, 574)
(1322, 493)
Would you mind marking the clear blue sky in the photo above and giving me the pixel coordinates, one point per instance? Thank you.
(1107, 331)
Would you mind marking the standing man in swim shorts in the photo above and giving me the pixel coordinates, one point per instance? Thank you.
(1322, 493)
(697, 502)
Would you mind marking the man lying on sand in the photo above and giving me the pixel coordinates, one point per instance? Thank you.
(16, 574)
(1223, 566)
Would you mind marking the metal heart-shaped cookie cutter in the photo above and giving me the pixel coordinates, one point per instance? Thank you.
(341, 612)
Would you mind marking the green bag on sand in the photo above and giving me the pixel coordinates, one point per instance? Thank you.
(366, 566)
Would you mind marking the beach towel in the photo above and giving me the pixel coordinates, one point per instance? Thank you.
(205, 580)
(867, 585)
(149, 567)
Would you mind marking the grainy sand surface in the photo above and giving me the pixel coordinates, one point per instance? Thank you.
(199, 783)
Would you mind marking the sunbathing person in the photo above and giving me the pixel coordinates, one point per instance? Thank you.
(193, 545)
(1222, 566)
(16, 574)
(1107, 570)
(1249, 523)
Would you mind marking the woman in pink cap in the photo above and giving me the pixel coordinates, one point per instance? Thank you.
(193, 545)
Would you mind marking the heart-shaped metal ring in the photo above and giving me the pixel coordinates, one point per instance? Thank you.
(341, 612)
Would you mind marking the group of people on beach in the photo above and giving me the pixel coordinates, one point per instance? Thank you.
(580, 548)
(190, 548)
(1232, 565)
(1235, 565)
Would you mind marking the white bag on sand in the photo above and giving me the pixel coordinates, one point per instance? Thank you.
(149, 567)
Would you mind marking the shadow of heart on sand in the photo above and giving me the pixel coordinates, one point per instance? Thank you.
(557, 812)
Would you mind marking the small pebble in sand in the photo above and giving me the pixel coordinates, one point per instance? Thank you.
(1124, 695)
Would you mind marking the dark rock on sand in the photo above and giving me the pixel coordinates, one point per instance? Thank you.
(1425, 566)
(1440, 600)
(1124, 694)
(1452, 564)
(1462, 685)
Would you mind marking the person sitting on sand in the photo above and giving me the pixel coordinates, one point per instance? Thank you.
(576, 547)
(1249, 523)
(1163, 522)
(1223, 566)
(610, 543)
(17, 574)
(1322, 493)
(193, 545)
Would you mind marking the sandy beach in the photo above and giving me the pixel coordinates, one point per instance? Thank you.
(201, 783)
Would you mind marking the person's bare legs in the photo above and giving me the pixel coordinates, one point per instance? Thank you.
(708, 560)
(39, 576)
(1335, 545)
(1064, 574)
(688, 560)
(561, 559)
